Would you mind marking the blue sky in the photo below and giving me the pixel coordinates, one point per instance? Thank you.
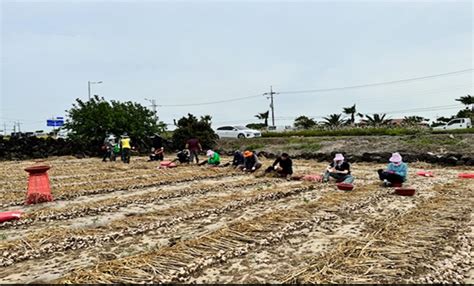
(197, 51)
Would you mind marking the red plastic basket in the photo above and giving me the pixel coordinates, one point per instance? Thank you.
(405, 191)
(345, 186)
(466, 175)
(425, 174)
(397, 185)
(12, 215)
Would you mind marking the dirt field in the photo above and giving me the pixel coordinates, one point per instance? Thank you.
(119, 223)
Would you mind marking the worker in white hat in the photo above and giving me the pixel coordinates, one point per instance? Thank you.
(339, 169)
(396, 172)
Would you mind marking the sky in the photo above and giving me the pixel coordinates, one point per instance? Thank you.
(191, 52)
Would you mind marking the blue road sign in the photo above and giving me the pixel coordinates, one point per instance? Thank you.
(54, 123)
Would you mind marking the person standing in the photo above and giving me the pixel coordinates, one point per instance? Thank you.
(194, 147)
(396, 172)
(108, 148)
(126, 146)
(340, 170)
(238, 159)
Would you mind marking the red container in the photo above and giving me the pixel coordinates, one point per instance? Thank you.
(12, 215)
(397, 185)
(466, 175)
(345, 186)
(313, 178)
(425, 174)
(405, 191)
(39, 190)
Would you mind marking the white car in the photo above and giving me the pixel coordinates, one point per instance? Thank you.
(237, 132)
(456, 123)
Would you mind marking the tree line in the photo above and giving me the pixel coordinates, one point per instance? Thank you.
(349, 115)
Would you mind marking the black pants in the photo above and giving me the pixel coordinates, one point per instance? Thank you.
(391, 177)
(126, 155)
(108, 155)
(194, 154)
(280, 173)
(156, 157)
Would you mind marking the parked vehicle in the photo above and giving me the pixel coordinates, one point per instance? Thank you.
(63, 134)
(456, 123)
(237, 132)
(279, 128)
(40, 134)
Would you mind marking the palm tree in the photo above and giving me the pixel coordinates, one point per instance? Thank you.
(264, 116)
(377, 119)
(350, 111)
(467, 100)
(333, 120)
(413, 120)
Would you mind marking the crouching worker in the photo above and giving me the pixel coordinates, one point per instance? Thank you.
(283, 166)
(213, 159)
(157, 154)
(340, 170)
(183, 157)
(396, 172)
(251, 162)
(238, 160)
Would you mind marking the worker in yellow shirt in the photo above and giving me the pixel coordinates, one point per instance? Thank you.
(125, 145)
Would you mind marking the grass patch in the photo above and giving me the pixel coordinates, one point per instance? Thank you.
(389, 131)
(313, 146)
(254, 146)
(425, 141)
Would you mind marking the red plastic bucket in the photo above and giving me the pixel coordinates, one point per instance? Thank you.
(12, 215)
(39, 190)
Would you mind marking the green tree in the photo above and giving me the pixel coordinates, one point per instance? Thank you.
(90, 121)
(264, 116)
(413, 120)
(333, 120)
(466, 100)
(350, 111)
(441, 121)
(376, 120)
(191, 126)
(256, 126)
(304, 122)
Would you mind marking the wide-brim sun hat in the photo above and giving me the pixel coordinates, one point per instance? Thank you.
(395, 158)
(339, 157)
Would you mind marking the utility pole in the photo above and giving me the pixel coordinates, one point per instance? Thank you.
(153, 107)
(271, 93)
(89, 86)
(19, 126)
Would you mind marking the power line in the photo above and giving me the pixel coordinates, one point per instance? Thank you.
(322, 89)
(376, 84)
(211, 102)
(421, 109)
